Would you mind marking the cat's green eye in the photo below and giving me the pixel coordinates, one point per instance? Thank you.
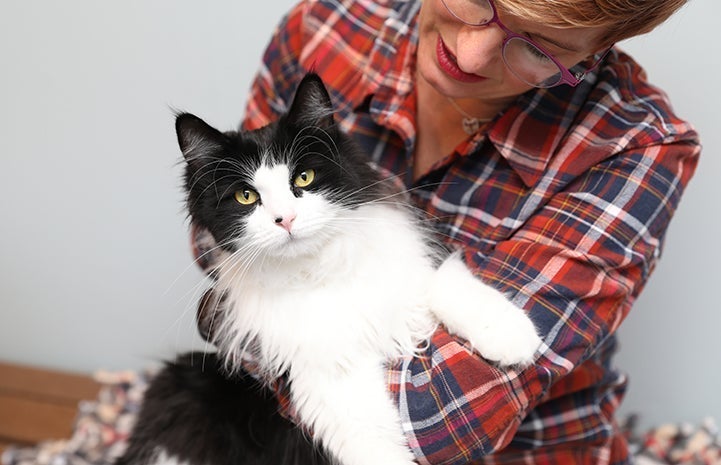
(305, 178)
(246, 197)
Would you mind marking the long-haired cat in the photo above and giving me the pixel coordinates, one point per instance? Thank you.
(324, 276)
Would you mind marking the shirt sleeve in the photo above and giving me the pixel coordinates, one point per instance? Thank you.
(280, 72)
(576, 266)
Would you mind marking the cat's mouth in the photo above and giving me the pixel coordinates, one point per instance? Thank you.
(299, 245)
(290, 244)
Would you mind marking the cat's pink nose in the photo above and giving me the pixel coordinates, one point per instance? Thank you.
(285, 221)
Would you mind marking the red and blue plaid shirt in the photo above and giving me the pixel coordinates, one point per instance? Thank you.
(562, 202)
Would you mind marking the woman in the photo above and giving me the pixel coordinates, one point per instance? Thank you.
(547, 158)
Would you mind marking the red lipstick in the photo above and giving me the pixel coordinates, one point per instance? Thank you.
(448, 63)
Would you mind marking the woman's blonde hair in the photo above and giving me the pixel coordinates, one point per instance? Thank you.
(621, 18)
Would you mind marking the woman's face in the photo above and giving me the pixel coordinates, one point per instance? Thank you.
(462, 61)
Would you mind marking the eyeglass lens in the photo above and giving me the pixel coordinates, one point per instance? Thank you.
(529, 63)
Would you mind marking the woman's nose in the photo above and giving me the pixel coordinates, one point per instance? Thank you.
(479, 49)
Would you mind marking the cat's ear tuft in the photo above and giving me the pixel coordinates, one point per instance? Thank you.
(196, 138)
(311, 105)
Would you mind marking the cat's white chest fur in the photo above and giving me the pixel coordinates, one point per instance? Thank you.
(331, 319)
(363, 294)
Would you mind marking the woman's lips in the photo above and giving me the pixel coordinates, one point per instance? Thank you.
(447, 62)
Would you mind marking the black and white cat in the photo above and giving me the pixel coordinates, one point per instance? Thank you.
(324, 275)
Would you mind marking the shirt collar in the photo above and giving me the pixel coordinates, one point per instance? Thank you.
(385, 79)
(531, 132)
(391, 66)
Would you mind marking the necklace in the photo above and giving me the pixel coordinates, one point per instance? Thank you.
(471, 124)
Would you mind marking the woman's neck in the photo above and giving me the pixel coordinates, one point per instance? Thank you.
(439, 124)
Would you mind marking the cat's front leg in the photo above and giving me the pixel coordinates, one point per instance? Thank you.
(353, 416)
(482, 315)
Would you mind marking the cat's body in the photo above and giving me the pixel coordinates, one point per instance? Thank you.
(195, 413)
(325, 276)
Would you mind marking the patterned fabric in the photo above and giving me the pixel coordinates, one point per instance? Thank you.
(101, 429)
(562, 202)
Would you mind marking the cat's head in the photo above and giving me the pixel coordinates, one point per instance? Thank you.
(279, 190)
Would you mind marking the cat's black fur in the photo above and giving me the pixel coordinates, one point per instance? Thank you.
(199, 415)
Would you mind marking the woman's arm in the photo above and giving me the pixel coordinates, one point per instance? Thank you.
(576, 266)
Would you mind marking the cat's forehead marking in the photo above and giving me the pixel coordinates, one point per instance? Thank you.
(272, 183)
(271, 155)
(268, 176)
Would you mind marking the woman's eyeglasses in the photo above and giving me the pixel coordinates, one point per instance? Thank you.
(527, 60)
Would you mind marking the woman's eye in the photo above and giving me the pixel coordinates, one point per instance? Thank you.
(246, 197)
(536, 53)
(305, 178)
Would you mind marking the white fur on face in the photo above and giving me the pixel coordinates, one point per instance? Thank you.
(283, 224)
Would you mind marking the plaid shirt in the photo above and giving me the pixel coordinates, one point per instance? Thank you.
(561, 202)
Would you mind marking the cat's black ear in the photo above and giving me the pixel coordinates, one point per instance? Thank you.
(197, 139)
(311, 105)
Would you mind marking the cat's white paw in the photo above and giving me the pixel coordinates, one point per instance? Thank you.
(509, 339)
(475, 311)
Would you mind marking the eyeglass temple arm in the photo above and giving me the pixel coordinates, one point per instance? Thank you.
(580, 76)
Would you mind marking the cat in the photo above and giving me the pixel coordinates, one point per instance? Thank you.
(325, 274)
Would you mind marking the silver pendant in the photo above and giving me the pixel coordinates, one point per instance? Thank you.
(471, 125)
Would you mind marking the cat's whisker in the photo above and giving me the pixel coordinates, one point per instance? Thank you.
(331, 141)
(195, 262)
(396, 194)
(243, 170)
(193, 294)
(307, 154)
(301, 138)
(211, 167)
(230, 168)
(238, 269)
(212, 185)
(362, 189)
(240, 262)
(389, 180)
(303, 135)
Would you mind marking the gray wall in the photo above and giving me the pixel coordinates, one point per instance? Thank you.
(95, 269)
